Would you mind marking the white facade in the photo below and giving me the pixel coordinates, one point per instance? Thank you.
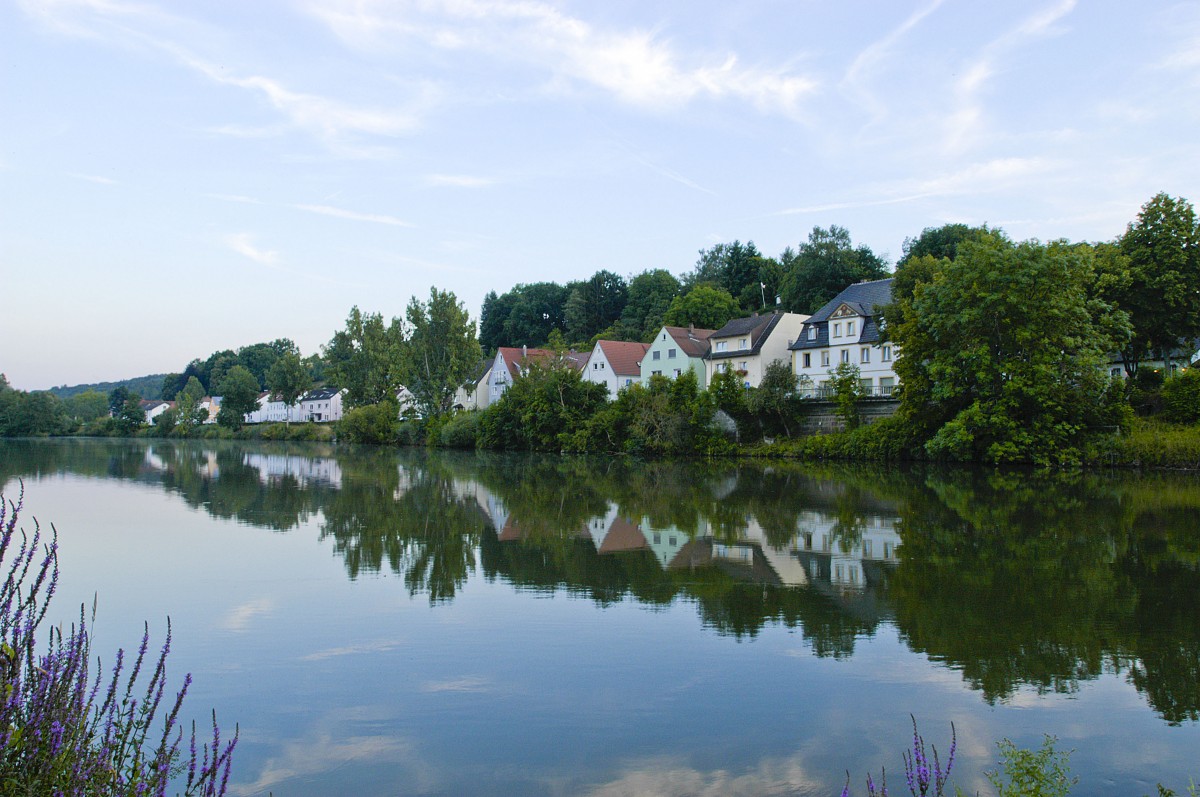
(615, 364)
(748, 345)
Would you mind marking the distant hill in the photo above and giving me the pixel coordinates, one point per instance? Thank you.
(148, 387)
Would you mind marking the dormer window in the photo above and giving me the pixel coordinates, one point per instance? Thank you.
(849, 327)
(812, 333)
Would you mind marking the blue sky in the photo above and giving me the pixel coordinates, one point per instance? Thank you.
(181, 177)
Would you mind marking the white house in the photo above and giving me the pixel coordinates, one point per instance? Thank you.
(846, 331)
(675, 350)
(511, 363)
(473, 394)
(747, 346)
(154, 408)
(615, 364)
(322, 405)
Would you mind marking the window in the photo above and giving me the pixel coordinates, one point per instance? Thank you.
(742, 365)
(845, 355)
(824, 358)
(628, 382)
(807, 360)
(886, 385)
(849, 327)
(721, 345)
(812, 333)
(865, 355)
(670, 354)
(837, 330)
(677, 372)
(656, 373)
(657, 538)
(657, 355)
(866, 384)
(887, 354)
(741, 343)
(595, 366)
(601, 366)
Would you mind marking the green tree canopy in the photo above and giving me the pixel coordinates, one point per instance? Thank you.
(594, 305)
(736, 267)
(823, 266)
(364, 358)
(440, 353)
(705, 306)
(942, 242)
(239, 396)
(1002, 350)
(289, 378)
(649, 296)
(1160, 284)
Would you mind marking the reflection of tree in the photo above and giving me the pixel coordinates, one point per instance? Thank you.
(408, 514)
(1016, 580)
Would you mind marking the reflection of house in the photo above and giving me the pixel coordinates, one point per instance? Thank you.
(674, 350)
(615, 364)
(846, 557)
(747, 346)
(309, 471)
(846, 331)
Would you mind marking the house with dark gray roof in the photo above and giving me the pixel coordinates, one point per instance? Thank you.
(846, 330)
(746, 346)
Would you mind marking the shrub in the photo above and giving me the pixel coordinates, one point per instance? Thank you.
(65, 731)
(1044, 772)
(460, 431)
(374, 423)
(1181, 397)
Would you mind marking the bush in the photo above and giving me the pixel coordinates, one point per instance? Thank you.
(374, 423)
(55, 738)
(460, 431)
(1181, 397)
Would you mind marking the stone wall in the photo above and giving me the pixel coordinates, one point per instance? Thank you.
(822, 415)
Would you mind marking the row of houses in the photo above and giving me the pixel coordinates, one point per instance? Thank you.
(320, 405)
(845, 330)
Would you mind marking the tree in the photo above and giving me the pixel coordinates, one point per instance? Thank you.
(704, 306)
(492, 318)
(364, 358)
(188, 412)
(536, 309)
(941, 242)
(774, 400)
(441, 352)
(1002, 351)
(117, 398)
(259, 357)
(288, 379)
(87, 406)
(736, 267)
(845, 383)
(239, 396)
(594, 305)
(130, 416)
(1160, 286)
(649, 296)
(823, 266)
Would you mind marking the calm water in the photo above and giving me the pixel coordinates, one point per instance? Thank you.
(385, 622)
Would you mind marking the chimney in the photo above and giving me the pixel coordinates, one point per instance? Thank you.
(691, 327)
(524, 351)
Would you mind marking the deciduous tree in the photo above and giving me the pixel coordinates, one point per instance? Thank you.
(704, 306)
(364, 358)
(823, 266)
(239, 396)
(440, 353)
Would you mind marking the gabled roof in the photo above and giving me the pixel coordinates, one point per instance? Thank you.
(757, 328)
(694, 342)
(624, 357)
(623, 536)
(863, 298)
(516, 359)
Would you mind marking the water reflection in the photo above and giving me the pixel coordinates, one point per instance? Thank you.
(1013, 580)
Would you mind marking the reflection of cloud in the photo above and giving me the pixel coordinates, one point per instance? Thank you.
(332, 743)
(467, 684)
(666, 778)
(351, 650)
(240, 617)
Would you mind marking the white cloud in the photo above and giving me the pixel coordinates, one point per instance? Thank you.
(93, 178)
(242, 244)
(636, 66)
(340, 213)
(458, 181)
(867, 62)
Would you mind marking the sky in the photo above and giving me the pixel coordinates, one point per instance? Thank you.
(182, 177)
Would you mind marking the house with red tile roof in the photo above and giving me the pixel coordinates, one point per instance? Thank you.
(615, 364)
(512, 363)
